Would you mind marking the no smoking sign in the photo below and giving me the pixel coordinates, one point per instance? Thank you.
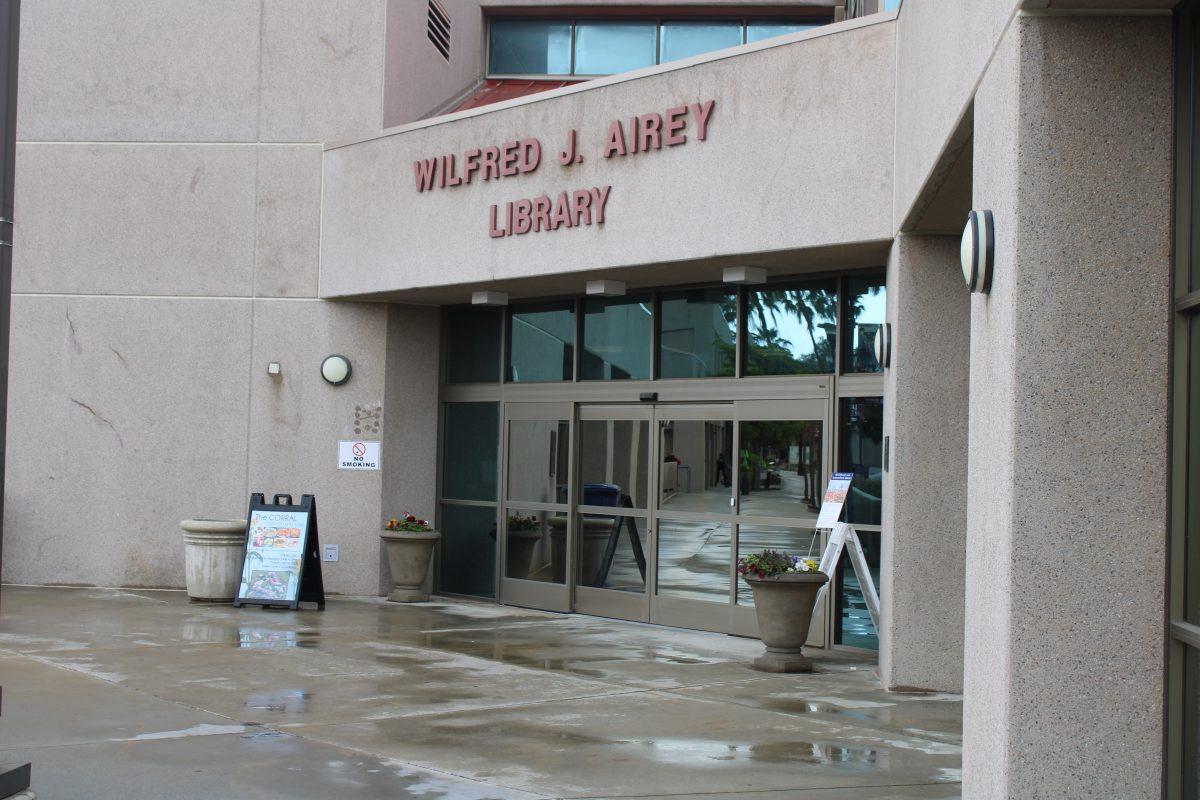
(358, 455)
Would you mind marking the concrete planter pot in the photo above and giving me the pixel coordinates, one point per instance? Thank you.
(521, 546)
(409, 554)
(213, 558)
(784, 607)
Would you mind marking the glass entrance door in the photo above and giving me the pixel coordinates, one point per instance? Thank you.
(784, 453)
(614, 539)
(536, 519)
(696, 458)
(667, 498)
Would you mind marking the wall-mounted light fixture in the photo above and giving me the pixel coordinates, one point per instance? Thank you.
(978, 253)
(606, 288)
(883, 345)
(489, 298)
(273, 368)
(744, 275)
(336, 369)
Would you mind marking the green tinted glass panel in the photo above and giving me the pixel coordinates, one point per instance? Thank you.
(686, 39)
(1191, 734)
(541, 342)
(529, 47)
(861, 452)
(468, 544)
(697, 332)
(757, 31)
(604, 47)
(852, 622)
(616, 338)
(1192, 537)
(791, 329)
(472, 345)
(864, 315)
(470, 435)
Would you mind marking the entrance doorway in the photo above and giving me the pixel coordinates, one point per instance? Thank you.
(641, 511)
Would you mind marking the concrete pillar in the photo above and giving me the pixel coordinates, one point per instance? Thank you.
(410, 429)
(925, 485)
(1068, 470)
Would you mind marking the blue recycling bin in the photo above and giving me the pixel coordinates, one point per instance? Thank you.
(601, 494)
(595, 494)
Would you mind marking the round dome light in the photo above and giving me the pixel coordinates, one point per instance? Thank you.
(978, 251)
(336, 369)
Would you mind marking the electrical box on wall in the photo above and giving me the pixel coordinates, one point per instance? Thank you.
(329, 552)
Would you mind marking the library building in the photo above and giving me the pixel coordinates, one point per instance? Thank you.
(615, 288)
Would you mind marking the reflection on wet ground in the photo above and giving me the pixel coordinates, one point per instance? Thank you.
(142, 694)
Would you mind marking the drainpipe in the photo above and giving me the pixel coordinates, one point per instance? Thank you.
(13, 778)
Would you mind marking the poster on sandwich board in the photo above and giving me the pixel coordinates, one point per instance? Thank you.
(278, 568)
(834, 499)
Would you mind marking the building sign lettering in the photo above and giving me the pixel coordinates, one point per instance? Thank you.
(641, 133)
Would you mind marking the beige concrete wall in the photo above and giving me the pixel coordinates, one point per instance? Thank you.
(1068, 431)
(167, 233)
(925, 486)
(410, 54)
(798, 155)
(943, 47)
(410, 416)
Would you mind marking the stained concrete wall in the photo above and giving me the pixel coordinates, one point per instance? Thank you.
(925, 485)
(1068, 429)
(789, 162)
(166, 249)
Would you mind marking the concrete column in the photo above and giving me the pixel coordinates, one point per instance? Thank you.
(410, 428)
(1067, 488)
(925, 485)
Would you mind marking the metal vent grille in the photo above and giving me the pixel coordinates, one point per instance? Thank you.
(438, 28)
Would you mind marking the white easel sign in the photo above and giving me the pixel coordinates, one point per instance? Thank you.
(844, 537)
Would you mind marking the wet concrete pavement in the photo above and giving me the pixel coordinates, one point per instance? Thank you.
(123, 694)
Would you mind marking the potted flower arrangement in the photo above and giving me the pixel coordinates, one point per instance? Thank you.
(409, 542)
(785, 591)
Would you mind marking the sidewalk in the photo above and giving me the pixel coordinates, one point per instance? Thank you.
(122, 694)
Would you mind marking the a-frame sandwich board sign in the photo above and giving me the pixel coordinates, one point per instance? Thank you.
(281, 562)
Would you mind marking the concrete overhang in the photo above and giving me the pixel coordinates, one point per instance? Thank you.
(794, 173)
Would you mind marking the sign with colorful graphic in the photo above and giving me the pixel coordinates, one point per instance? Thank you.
(835, 498)
(277, 566)
(274, 552)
